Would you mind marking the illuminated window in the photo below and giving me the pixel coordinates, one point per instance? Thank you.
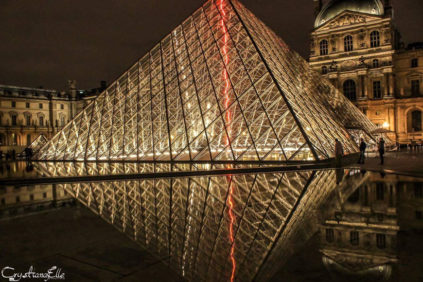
(415, 87)
(374, 39)
(323, 47)
(348, 43)
(350, 90)
(381, 241)
(414, 63)
(377, 90)
(354, 239)
(416, 121)
(375, 63)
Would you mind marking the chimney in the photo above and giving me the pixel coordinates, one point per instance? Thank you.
(317, 7)
(103, 85)
(72, 88)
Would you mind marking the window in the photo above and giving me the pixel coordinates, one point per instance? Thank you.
(44, 195)
(62, 106)
(31, 197)
(416, 121)
(354, 240)
(414, 63)
(41, 121)
(28, 120)
(418, 190)
(415, 87)
(380, 191)
(348, 43)
(374, 39)
(375, 63)
(350, 90)
(3, 202)
(28, 139)
(323, 47)
(27, 105)
(377, 90)
(381, 241)
(40, 105)
(324, 70)
(62, 120)
(18, 199)
(419, 215)
(330, 235)
(13, 104)
(14, 119)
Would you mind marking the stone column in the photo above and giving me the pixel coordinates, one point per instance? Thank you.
(391, 85)
(366, 87)
(385, 85)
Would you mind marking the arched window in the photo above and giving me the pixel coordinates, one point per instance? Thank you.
(41, 120)
(348, 43)
(374, 39)
(324, 70)
(375, 63)
(350, 90)
(414, 121)
(323, 47)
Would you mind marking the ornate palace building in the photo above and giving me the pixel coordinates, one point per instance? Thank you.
(356, 45)
(26, 113)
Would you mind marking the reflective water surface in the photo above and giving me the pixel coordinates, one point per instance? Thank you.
(303, 225)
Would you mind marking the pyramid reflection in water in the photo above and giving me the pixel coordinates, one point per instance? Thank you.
(221, 86)
(187, 220)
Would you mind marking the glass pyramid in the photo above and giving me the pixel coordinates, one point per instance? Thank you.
(221, 86)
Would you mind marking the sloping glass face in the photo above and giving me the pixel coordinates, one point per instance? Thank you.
(39, 142)
(221, 86)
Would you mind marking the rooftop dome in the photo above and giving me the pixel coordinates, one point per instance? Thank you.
(336, 7)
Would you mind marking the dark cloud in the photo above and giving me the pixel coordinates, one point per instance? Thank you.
(46, 42)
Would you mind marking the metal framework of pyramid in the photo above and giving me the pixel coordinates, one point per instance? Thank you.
(221, 86)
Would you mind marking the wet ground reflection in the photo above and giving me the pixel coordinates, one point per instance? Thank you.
(257, 221)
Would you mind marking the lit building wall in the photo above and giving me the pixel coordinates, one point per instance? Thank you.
(359, 51)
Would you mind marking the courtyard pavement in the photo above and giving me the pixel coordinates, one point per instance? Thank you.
(84, 246)
(403, 162)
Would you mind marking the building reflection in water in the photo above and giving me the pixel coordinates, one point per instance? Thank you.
(359, 233)
(189, 220)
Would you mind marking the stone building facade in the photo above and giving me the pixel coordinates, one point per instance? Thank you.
(356, 45)
(26, 113)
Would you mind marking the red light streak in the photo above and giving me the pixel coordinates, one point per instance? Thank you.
(228, 119)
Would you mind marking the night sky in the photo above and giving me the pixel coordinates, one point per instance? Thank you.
(46, 42)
